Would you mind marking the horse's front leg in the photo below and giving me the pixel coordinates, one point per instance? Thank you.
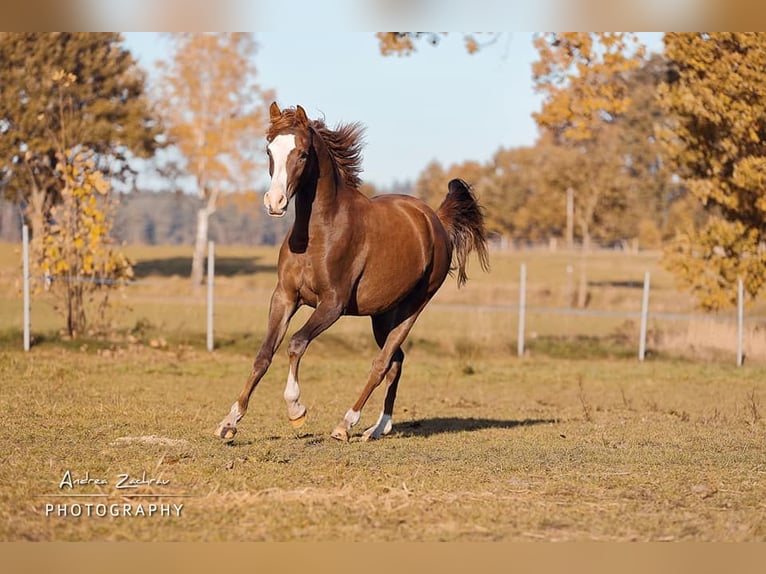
(326, 313)
(283, 307)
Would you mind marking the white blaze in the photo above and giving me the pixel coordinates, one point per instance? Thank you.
(276, 198)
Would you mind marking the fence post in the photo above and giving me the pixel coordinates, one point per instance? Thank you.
(25, 258)
(644, 317)
(210, 278)
(522, 307)
(740, 319)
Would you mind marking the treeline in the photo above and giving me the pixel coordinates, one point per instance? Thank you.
(165, 217)
(170, 218)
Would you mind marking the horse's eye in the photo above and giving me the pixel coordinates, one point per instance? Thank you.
(304, 155)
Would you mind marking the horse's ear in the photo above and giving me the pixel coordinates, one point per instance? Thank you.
(300, 113)
(274, 112)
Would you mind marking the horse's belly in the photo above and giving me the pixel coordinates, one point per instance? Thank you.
(375, 295)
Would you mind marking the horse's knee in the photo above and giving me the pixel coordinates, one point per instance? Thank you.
(261, 364)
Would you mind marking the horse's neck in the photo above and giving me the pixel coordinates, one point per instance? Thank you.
(317, 204)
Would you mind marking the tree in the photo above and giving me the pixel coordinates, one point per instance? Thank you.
(716, 99)
(78, 254)
(545, 171)
(109, 114)
(213, 109)
(651, 187)
(431, 184)
(582, 76)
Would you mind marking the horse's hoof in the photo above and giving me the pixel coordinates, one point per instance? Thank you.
(340, 434)
(370, 434)
(299, 422)
(226, 432)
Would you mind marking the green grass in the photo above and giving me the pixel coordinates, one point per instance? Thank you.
(575, 441)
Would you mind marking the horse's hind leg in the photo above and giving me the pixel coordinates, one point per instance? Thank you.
(381, 366)
(381, 326)
(385, 420)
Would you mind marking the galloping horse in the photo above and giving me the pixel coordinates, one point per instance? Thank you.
(347, 254)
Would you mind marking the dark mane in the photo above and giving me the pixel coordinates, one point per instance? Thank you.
(345, 146)
(344, 143)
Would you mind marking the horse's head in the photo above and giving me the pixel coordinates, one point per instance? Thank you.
(289, 149)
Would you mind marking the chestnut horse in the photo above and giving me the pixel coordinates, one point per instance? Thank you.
(347, 254)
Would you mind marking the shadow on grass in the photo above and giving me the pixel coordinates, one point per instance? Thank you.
(618, 284)
(444, 425)
(181, 266)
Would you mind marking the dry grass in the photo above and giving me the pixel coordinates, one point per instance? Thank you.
(707, 339)
(514, 450)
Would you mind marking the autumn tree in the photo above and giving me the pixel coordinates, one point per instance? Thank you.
(716, 99)
(214, 111)
(79, 258)
(651, 188)
(77, 255)
(431, 183)
(110, 115)
(514, 195)
(582, 77)
(542, 172)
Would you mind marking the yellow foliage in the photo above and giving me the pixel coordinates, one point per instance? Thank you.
(709, 261)
(649, 235)
(716, 101)
(581, 76)
(77, 250)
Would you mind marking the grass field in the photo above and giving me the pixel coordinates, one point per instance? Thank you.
(576, 441)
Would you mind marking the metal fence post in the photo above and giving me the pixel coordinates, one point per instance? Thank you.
(210, 279)
(522, 308)
(740, 320)
(644, 317)
(25, 258)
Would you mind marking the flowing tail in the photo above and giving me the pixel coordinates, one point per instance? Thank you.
(463, 218)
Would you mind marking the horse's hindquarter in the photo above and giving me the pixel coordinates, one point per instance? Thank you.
(406, 253)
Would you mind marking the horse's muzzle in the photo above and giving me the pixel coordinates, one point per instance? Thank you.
(276, 213)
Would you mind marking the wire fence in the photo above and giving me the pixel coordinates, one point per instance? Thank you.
(522, 310)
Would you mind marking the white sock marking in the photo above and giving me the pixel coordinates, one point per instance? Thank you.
(383, 426)
(352, 417)
(292, 396)
(234, 413)
(292, 391)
